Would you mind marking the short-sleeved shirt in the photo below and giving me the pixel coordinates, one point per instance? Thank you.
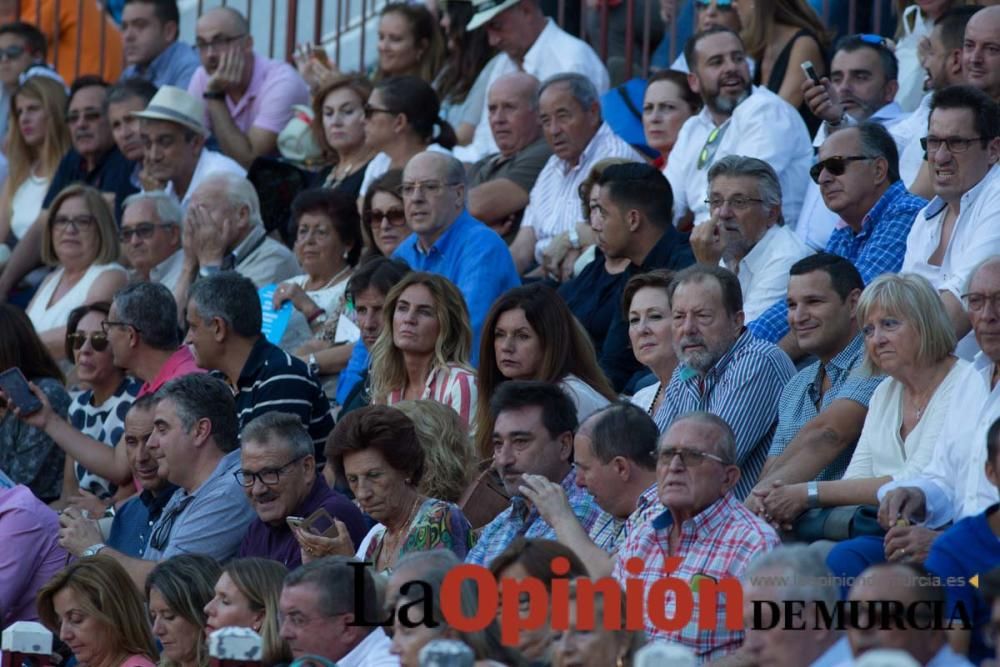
(104, 423)
(521, 168)
(135, 519)
(179, 363)
(175, 66)
(113, 173)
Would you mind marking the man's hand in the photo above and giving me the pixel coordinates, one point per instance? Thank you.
(909, 543)
(784, 504)
(77, 531)
(147, 181)
(554, 254)
(211, 236)
(548, 497)
(568, 264)
(706, 242)
(823, 100)
(88, 502)
(229, 73)
(907, 502)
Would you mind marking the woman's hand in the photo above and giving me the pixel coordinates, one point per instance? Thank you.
(294, 293)
(314, 65)
(315, 546)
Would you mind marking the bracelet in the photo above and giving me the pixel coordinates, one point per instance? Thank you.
(220, 95)
(812, 493)
(318, 313)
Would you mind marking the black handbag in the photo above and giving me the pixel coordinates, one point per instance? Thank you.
(837, 523)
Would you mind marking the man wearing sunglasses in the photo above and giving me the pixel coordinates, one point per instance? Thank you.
(151, 237)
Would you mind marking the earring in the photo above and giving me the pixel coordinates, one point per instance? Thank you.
(345, 254)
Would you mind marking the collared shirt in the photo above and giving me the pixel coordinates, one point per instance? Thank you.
(134, 521)
(179, 363)
(763, 126)
(878, 248)
(452, 385)
(611, 532)
(522, 519)
(554, 52)
(743, 387)
(175, 66)
(914, 127)
(113, 173)
(554, 205)
(475, 258)
(275, 87)
(209, 520)
(798, 403)
(373, 651)
(763, 273)
(719, 542)
(278, 543)
(522, 168)
(262, 259)
(209, 163)
(168, 272)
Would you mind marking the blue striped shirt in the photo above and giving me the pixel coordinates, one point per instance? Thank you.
(742, 388)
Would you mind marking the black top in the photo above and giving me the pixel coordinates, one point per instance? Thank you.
(778, 76)
(351, 185)
(113, 173)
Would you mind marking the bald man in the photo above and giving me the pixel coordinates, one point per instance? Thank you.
(248, 98)
(981, 51)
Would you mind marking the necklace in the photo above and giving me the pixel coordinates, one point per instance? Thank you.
(656, 397)
(390, 544)
(332, 281)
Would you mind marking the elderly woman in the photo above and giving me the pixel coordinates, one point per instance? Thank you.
(339, 128)
(668, 102)
(423, 352)
(382, 212)
(81, 240)
(95, 609)
(377, 451)
(177, 591)
(646, 308)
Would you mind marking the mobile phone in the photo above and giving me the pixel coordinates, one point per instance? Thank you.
(15, 386)
(810, 71)
(320, 523)
(294, 521)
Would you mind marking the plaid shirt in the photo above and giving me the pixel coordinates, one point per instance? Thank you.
(610, 533)
(797, 405)
(878, 248)
(522, 519)
(719, 542)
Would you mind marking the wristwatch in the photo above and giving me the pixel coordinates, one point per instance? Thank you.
(313, 366)
(812, 493)
(93, 549)
(574, 238)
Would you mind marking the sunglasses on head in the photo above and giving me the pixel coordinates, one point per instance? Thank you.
(721, 5)
(835, 165)
(98, 341)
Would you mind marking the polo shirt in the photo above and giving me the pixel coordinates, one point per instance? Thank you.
(134, 521)
(177, 364)
(175, 66)
(113, 173)
(522, 167)
(209, 163)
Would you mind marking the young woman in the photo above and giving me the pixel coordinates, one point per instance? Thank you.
(339, 128)
(177, 591)
(409, 42)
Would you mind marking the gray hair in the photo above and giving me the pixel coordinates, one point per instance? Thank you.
(239, 192)
(168, 209)
(736, 166)
(199, 396)
(151, 309)
(803, 574)
(580, 87)
(279, 429)
(334, 580)
(232, 298)
(725, 445)
(874, 141)
(992, 259)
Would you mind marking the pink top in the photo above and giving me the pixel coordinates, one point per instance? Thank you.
(180, 363)
(137, 661)
(453, 385)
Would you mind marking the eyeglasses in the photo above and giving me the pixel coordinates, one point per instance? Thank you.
(79, 222)
(737, 203)
(98, 341)
(395, 216)
(144, 230)
(430, 188)
(721, 5)
(11, 52)
(269, 477)
(836, 165)
(90, 115)
(216, 44)
(371, 111)
(954, 144)
(691, 458)
(107, 324)
(976, 302)
(161, 533)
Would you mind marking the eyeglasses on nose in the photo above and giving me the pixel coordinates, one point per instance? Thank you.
(98, 341)
(836, 165)
(932, 144)
(370, 111)
(216, 44)
(430, 188)
(721, 5)
(61, 223)
(11, 52)
(144, 230)
(691, 458)
(737, 203)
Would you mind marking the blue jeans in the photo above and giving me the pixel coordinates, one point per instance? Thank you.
(852, 557)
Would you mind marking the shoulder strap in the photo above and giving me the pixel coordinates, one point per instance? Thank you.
(623, 91)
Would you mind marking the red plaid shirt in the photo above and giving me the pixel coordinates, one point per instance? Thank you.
(718, 543)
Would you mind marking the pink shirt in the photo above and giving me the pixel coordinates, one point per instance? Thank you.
(137, 661)
(180, 363)
(453, 385)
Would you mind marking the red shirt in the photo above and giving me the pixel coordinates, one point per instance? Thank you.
(180, 363)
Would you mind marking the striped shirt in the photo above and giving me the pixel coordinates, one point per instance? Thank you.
(453, 385)
(743, 388)
(611, 533)
(554, 204)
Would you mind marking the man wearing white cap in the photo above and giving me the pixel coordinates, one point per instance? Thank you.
(173, 137)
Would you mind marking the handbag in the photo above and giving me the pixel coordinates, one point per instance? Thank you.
(484, 499)
(837, 523)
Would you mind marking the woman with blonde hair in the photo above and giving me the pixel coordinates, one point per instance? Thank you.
(424, 348)
(177, 591)
(95, 609)
(447, 448)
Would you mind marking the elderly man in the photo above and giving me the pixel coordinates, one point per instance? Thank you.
(249, 97)
(704, 525)
(620, 473)
(500, 183)
(151, 237)
(738, 119)
(532, 438)
(570, 112)
(173, 136)
(150, 30)
(318, 606)
(278, 473)
(745, 233)
(722, 368)
(858, 175)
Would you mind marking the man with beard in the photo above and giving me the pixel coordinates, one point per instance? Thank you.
(738, 119)
(722, 368)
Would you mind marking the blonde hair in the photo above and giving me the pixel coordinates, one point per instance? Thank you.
(186, 583)
(449, 460)
(108, 248)
(106, 593)
(759, 31)
(260, 580)
(20, 155)
(454, 341)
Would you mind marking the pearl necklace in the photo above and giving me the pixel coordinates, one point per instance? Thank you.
(332, 281)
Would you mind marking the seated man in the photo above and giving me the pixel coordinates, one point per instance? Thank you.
(746, 234)
(278, 473)
(249, 97)
(500, 183)
(704, 525)
(570, 113)
(173, 135)
(858, 175)
(151, 237)
(124, 99)
(722, 368)
(153, 50)
(619, 472)
(532, 437)
(224, 319)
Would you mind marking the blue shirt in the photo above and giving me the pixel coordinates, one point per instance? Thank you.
(353, 372)
(878, 248)
(173, 67)
(134, 521)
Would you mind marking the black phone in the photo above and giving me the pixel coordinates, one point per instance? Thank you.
(15, 386)
(810, 71)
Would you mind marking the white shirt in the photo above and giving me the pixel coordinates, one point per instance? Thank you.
(763, 126)
(554, 202)
(381, 163)
(373, 651)
(586, 399)
(26, 204)
(914, 128)
(955, 484)
(168, 272)
(763, 273)
(210, 163)
(554, 52)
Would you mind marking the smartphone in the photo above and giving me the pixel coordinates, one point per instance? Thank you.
(294, 521)
(810, 71)
(320, 523)
(15, 386)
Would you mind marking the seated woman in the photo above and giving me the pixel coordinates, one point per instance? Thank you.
(447, 448)
(246, 596)
(461, 83)
(81, 240)
(99, 410)
(646, 308)
(668, 102)
(530, 334)
(177, 591)
(423, 351)
(409, 42)
(598, 646)
(93, 606)
(383, 216)
(339, 128)
(377, 451)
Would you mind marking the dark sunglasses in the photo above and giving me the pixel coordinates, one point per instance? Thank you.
(395, 216)
(836, 165)
(98, 341)
(11, 52)
(370, 111)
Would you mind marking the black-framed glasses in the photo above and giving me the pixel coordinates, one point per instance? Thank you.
(11, 52)
(737, 203)
(62, 222)
(165, 526)
(268, 477)
(218, 43)
(371, 111)
(691, 458)
(429, 188)
(107, 324)
(144, 230)
(98, 341)
(836, 165)
(975, 301)
(395, 216)
(932, 144)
